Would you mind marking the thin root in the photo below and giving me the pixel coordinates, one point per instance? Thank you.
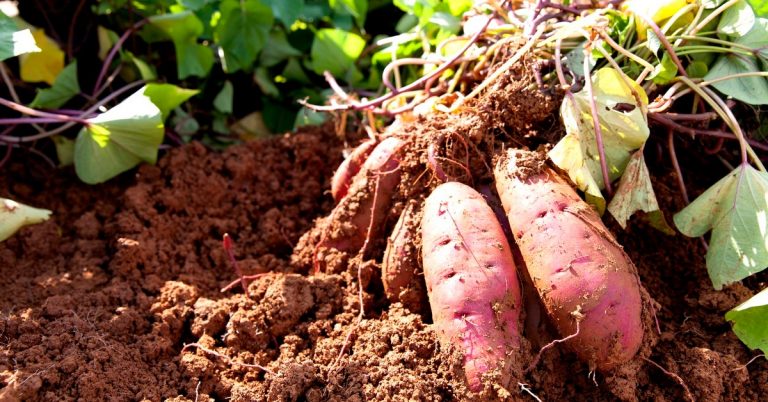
(536, 360)
(226, 358)
(675, 377)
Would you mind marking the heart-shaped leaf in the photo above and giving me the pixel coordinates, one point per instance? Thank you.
(119, 139)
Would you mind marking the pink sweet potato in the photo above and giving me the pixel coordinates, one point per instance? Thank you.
(366, 203)
(579, 270)
(349, 169)
(471, 281)
(401, 271)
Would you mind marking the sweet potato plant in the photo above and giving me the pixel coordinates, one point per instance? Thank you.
(483, 77)
(622, 74)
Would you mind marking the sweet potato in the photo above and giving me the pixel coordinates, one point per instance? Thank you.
(349, 168)
(579, 270)
(471, 281)
(368, 199)
(401, 267)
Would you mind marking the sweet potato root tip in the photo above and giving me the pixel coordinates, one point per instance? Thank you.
(574, 261)
(471, 280)
(349, 168)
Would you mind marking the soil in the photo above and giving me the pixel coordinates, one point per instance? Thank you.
(99, 302)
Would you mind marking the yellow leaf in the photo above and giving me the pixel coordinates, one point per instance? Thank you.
(43, 66)
(621, 108)
(656, 11)
(13, 216)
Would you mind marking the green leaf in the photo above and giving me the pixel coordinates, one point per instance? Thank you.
(760, 7)
(277, 49)
(183, 123)
(737, 20)
(65, 150)
(736, 210)
(286, 11)
(223, 100)
(262, 79)
(665, 71)
(749, 321)
(146, 71)
(194, 60)
(357, 8)
(119, 139)
(653, 43)
(242, 32)
(183, 29)
(107, 39)
(574, 60)
(757, 38)
(194, 5)
(635, 193)
(697, 69)
(168, 96)
(711, 4)
(13, 41)
(309, 117)
(278, 118)
(335, 51)
(752, 90)
(65, 87)
(624, 127)
(14, 216)
(220, 123)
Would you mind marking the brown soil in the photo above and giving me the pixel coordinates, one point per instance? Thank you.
(99, 302)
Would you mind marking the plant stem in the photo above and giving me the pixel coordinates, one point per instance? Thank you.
(725, 113)
(596, 124)
(88, 113)
(705, 116)
(716, 41)
(412, 86)
(34, 112)
(676, 166)
(711, 17)
(507, 65)
(111, 55)
(229, 249)
(668, 46)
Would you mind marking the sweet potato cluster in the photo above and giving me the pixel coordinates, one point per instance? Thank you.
(586, 283)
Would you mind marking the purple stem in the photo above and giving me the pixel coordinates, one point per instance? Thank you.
(659, 118)
(598, 129)
(676, 165)
(28, 120)
(111, 55)
(229, 249)
(398, 63)
(34, 112)
(665, 42)
(412, 86)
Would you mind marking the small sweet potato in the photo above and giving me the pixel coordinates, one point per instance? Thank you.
(579, 270)
(471, 281)
(366, 204)
(349, 168)
(401, 270)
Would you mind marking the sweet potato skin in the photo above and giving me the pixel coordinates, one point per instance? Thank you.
(471, 280)
(368, 199)
(401, 271)
(349, 168)
(577, 267)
